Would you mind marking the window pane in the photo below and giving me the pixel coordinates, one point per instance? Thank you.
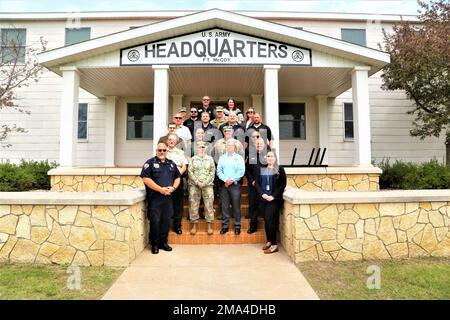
(348, 111)
(140, 121)
(140, 130)
(356, 36)
(13, 37)
(292, 120)
(82, 120)
(349, 130)
(77, 35)
(82, 112)
(13, 45)
(82, 130)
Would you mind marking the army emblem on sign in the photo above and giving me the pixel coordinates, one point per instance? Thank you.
(297, 56)
(133, 55)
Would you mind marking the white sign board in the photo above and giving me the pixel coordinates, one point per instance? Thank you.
(215, 46)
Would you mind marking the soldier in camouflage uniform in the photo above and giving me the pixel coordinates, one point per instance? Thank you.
(220, 118)
(201, 171)
(220, 147)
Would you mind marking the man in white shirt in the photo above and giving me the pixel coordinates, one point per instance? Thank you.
(183, 132)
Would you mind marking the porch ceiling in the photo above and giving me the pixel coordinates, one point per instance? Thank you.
(215, 81)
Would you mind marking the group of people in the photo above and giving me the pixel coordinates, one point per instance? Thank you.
(213, 150)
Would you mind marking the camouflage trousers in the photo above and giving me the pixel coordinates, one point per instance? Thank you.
(195, 196)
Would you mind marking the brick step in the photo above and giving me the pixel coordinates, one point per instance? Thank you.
(202, 237)
(217, 225)
(244, 210)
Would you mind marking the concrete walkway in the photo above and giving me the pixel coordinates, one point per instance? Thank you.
(212, 272)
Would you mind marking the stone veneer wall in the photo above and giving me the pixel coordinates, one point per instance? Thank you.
(357, 231)
(308, 182)
(91, 183)
(97, 235)
(334, 182)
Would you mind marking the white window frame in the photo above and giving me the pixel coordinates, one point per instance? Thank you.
(87, 122)
(133, 101)
(306, 118)
(19, 62)
(343, 122)
(65, 35)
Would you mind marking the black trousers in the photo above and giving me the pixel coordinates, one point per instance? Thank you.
(178, 205)
(160, 210)
(271, 219)
(231, 195)
(253, 205)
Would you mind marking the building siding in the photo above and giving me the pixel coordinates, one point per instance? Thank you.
(390, 124)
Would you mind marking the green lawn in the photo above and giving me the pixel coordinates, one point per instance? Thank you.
(36, 282)
(416, 279)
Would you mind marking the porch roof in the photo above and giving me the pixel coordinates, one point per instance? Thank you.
(207, 20)
(102, 75)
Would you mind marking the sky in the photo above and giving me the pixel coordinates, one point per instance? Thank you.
(354, 6)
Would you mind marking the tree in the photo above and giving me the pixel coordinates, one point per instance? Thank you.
(420, 64)
(18, 68)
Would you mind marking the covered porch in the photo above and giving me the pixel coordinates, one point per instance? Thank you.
(333, 67)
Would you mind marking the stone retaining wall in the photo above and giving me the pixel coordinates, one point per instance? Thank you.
(96, 183)
(334, 182)
(381, 225)
(71, 231)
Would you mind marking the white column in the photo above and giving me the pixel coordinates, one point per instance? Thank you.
(68, 132)
(110, 131)
(257, 102)
(271, 114)
(361, 116)
(177, 103)
(160, 102)
(323, 126)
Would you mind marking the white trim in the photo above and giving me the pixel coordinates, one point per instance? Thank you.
(343, 122)
(297, 196)
(103, 15)
(87, 123)
(295, 100)
(206, 19)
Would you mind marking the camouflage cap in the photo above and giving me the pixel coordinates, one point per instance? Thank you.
(201, 144)
(227, 128)
(183, 109)
(219, 108)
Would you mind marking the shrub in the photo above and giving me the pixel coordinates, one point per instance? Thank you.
(408, 175)
(28, 175)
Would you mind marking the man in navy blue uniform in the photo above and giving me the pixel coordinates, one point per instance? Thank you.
(161, 178)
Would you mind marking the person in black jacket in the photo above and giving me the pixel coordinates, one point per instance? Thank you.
(270, 183)
(255, 158)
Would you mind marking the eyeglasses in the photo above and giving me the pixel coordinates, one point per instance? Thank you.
(172, 127)
(206, 99)
(254, 137)
(202, 147)
(194, 111)
(178, 117)
(162, 150)
(250, 111)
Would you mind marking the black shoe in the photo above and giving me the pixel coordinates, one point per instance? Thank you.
(237, 231)
(166, 247)
(223, 230)
(178, 230)
(251, 230)
(155, 250)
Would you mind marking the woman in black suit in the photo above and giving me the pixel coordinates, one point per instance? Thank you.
(270, 182)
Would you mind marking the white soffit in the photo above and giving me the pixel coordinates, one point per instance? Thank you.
(211, 19)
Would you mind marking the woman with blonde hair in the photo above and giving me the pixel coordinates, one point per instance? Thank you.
(270, 182)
